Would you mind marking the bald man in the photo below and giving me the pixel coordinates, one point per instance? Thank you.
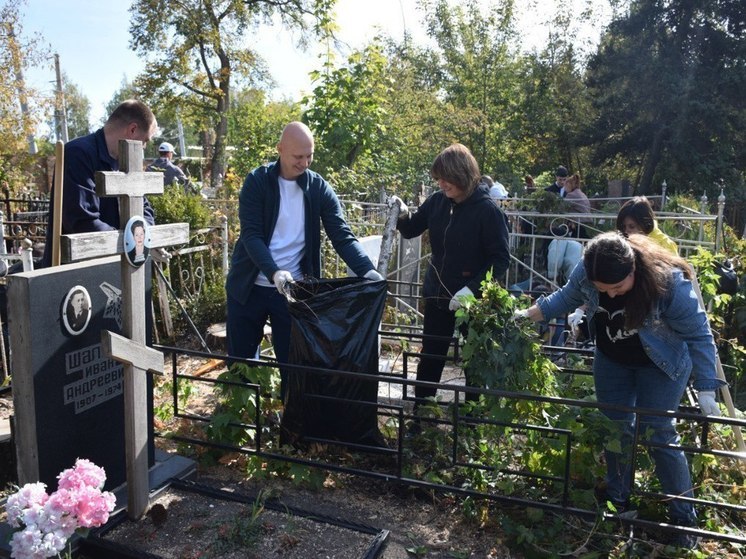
(281, 206)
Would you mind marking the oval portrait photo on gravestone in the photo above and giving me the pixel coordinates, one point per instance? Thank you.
(136, 241)
(76, 310)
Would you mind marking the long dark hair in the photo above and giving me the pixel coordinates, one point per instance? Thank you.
(640, 210)
(610, 257)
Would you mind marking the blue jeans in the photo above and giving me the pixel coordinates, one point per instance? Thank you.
(245, 326)
(645, 386)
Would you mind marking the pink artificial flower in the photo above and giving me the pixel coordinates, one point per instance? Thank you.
(27, 544)
(93, 507)
(31, 494)
(48, 521)
(84, 473)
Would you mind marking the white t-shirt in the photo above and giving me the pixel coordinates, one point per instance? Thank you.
(288, 239)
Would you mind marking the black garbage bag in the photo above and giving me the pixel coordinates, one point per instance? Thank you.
(334, 325)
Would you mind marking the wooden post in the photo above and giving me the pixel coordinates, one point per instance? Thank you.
(130, 186)
(59, 181)
(388, 236)
(724, 390)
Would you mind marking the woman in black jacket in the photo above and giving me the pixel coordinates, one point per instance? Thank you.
(468, 237)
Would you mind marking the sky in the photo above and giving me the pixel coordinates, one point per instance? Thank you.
(92, 41)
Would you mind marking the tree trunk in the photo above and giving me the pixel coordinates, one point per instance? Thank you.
(217, 173)
(651, 162)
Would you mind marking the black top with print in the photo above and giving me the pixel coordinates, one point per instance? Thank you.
(612, 338)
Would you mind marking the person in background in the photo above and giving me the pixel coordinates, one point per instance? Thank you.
(652, 335)
(468, 238)
(636, 216)
(164, 164)
(529, 184)
(281, 207)
(496, 189)
(558, 186)
(579, 203)
(82, 209)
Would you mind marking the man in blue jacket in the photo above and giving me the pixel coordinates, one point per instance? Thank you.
(83, 211)
(281, 206)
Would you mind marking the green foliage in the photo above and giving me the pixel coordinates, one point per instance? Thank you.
(500, 352)
(197, 54)
(165, 411)
(208, 307)
(240, 533)
(77, 112)
(346, 111)
(175, 206)
(234, 420)
(21, 110)
(254, 128)
(647, 110)
(726, 313)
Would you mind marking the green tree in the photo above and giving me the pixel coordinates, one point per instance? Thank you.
(667, 83)
(21, 107)
(127, 90)
(478, 74)
(346, 110)
(199, 54)
(254, 128)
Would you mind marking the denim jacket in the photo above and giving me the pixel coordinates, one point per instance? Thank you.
(675, 335)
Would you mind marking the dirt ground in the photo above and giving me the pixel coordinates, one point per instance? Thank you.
(194, 526)
(419, 524)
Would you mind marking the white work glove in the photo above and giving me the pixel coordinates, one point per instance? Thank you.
(456, 302)
(403, 210)
(161, 255)
(281, 279)
(520, 314)
(575, 318)
(373, 275)
(707, 403)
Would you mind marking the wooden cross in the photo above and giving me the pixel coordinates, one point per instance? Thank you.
(130, 186)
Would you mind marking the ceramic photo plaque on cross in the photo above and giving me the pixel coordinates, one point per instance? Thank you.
(137, 241)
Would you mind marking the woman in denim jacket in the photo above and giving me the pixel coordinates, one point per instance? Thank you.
(651, 336)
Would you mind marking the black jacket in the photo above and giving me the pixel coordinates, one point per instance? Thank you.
(466, 239)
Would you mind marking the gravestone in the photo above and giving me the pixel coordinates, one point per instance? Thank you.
(68, 394)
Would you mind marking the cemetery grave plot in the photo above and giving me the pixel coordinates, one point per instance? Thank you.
(198, 521)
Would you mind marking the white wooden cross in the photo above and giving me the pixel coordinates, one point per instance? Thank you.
(130, 186)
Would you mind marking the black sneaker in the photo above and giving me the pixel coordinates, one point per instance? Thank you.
(682, 539)
(685, 541)
(412, 429)
(620, 508)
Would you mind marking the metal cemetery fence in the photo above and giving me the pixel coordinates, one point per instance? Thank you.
(438, 456)
(22, 220)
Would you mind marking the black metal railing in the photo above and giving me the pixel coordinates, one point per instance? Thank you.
(393, 462)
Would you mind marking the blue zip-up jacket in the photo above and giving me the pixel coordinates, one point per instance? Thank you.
(258, 208)
(83, 211)
(466, 240)
(676, 335)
